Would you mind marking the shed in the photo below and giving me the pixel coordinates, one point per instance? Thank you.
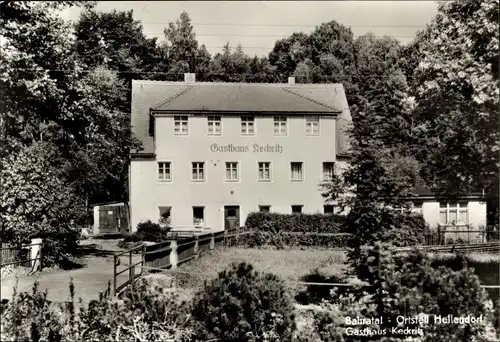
(111, 218)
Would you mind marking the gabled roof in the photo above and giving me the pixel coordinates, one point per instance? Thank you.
(156, 97)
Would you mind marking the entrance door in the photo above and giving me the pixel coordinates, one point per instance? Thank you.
(231, 217)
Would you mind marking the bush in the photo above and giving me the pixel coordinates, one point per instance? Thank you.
(151, 314)
(148, 231)
(408, 284)
(258, 239)
(244, 305)
(314, 294)
(304, 223)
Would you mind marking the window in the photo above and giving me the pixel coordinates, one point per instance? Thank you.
(450, 213)
(297, 174)
(296, 209)
(328, 209)
(248, 125)
(264, 208)
(232, 171)
(181, 125)
(417, 208)
(264, 171)
(280, 125)
(312, 125)
(214, 125)
(198, 216)
(164, 172)
(165, 215)
(198, 171)
(328, 171)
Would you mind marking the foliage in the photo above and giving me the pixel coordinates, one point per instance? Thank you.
(150, 314)
(148, 231)
(35, 203)
(457, 99)
(275, 222)
(259, 238)
(244, 305)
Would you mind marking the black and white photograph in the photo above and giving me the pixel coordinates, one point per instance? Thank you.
(250, 171)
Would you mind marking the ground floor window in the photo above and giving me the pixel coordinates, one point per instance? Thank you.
(328, 209)
(296, 209)
(450, 213)
(165, 213)
(198, 216)
(264, 208)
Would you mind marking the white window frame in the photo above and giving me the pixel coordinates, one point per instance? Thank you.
(264, 163)
(312, 125)
(324, 171)
(162, 165)
(202, 168)
(447, 208)
(196, 222)
(169, 220)
(246, 122)
(282, 123)
(233, 166)
(212, 121)
(302, 173)
(183, 121)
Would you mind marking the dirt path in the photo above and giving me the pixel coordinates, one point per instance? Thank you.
(88, 280)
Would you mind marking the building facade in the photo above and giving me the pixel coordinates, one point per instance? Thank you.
(214, 152)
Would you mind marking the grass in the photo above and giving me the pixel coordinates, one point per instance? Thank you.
(290, 265)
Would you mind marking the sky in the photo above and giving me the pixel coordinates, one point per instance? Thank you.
(256, 25)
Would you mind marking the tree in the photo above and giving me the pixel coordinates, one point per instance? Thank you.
(230, 66)
(289, 52)
(457, 100)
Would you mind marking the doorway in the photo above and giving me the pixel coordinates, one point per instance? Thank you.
(231, 217)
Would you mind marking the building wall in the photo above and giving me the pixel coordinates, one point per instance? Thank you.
(476, 213)
(147, 193)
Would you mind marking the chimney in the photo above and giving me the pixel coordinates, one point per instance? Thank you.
(189, 77)
(291, 80)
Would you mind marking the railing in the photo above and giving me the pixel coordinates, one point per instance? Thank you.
(132, 277)
(170, 254)
(11, 255)
(449, 234)
(480, 247)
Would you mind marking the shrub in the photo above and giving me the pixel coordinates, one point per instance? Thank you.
(314, 294)
(244, 305)
(290, 239)
(304, 223)
(151, 314)
(148, 231)
(408, 284)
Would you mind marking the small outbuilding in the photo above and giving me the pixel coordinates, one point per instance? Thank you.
(111, 218)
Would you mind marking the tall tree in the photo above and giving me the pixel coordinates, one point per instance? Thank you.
(289, 52)
(457, 100)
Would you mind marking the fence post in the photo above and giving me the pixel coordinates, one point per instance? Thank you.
(143, 257)
(196, 246)
(225, 238)
(114, 275)
(212, 241)
(174, 257)
(131, 273)
(34, 253)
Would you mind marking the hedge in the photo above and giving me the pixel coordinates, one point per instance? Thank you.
(304, 223)
(259, 238)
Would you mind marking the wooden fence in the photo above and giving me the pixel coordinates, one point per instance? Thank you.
(27, 255)
(171, 253)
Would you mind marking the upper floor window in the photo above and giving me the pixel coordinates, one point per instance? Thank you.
(198, 174)
(280, 125)
(297, 173)
(312, 125)
(328, 171)
(181, 125)
(248, 125)
(264, 171)
(232, 171)
(164, 172)
(214, 125)
(450, 213)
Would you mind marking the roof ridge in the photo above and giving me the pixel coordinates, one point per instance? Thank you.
(309, 99)
(255, 84)
(173, 97)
